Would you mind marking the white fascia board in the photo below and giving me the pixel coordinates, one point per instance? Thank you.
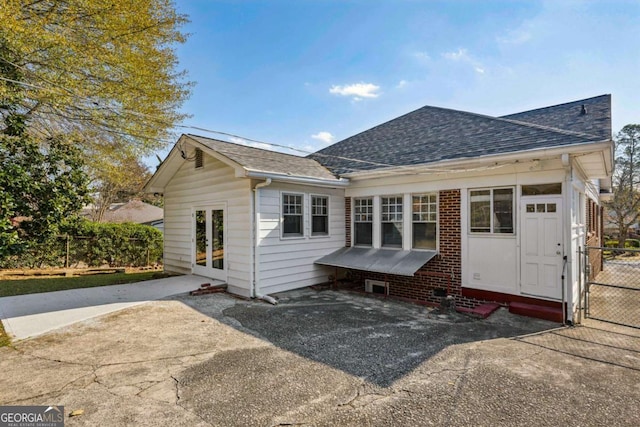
(538, 153)
(317, 182)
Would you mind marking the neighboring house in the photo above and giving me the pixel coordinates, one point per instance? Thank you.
(436, 202)
(135, 211)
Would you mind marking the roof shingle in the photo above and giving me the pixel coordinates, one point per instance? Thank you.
(433, 134)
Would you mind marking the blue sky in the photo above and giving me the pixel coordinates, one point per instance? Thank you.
(305, 73)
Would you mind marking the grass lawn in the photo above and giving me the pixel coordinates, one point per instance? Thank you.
(4, 339)
(35, 286)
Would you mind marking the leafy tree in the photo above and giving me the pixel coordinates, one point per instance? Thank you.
(104, 71)
(624, 208)
(117, 182)
(43, 185)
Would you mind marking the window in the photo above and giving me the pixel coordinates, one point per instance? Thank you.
(491, 211)
(424, 221)
(292, 215)
(391, 219)
(363, 221)
(542, 189)
(199, 158)
(319, 215)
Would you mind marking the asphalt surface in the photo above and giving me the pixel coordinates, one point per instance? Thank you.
(322, 359)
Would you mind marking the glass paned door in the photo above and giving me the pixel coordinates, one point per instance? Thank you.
(209, 242)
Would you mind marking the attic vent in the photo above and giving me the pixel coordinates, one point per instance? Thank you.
(199, 158)
(583, 110)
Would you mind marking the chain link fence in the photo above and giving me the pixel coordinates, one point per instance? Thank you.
(613, 294)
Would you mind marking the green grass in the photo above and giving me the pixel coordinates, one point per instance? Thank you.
(4, 339)
(35, 286)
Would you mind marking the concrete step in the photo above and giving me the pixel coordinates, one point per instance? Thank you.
(553, 314)
(483, 310)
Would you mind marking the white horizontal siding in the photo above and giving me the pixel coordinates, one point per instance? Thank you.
(288, 263)
(214, 183)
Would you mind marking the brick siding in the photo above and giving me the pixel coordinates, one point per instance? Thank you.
(422, 287)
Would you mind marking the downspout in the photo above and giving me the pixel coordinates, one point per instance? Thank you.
(255, 292)
(567, 263)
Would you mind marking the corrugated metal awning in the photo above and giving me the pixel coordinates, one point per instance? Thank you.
(390, 261)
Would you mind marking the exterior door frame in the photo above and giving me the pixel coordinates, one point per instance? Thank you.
(208, 270)
(555, 250)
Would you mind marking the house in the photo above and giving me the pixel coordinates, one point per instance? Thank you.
(435, 203)
(135, 211)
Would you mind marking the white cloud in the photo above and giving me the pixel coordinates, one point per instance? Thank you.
(462, 55)
(401, 84)
(356, 90)
(459, 55)
(323, 136)
(516, 37)
(423, 56)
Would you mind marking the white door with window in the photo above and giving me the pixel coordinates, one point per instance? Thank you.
(541, 247)
(208, 242)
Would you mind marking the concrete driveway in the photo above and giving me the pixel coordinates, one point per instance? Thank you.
(26, 316)
(325, 358)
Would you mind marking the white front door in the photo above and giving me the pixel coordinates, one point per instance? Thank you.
(541, 247)
(209, 243)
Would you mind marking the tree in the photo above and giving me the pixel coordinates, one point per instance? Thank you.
(43, 185)
(624, 208)
(104, 71)
(118, 182)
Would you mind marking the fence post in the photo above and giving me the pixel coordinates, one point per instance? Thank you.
(66, 260)
(148, 250)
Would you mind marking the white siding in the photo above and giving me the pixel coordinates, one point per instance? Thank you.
(489, 262)
(288, 263)
(214, 183)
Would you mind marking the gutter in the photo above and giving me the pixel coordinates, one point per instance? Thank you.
(318, 182)
(255, 218)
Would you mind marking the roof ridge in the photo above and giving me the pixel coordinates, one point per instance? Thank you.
(248, 146)
(557, 105)
(470, 113)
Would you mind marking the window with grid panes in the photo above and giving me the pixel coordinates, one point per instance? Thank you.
(319, 215)
(292, 215)
(424, 220)
(363, 222)
(391, 219)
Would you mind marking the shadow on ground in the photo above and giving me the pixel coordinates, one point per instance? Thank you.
(593, 340)
(378, 340)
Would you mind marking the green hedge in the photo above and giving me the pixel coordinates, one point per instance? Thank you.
(629, 243)
(93, 244)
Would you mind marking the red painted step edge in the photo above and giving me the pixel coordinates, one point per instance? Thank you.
(483, 310)
(537, 311)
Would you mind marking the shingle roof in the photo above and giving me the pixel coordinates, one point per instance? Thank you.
(432, 134)
(595, 121)
(257, 159)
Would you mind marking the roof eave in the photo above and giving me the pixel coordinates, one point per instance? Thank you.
(537, 153)
(317, 182)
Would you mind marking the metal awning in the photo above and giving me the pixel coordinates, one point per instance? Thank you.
(389, 261)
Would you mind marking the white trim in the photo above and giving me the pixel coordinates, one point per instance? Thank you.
(514, 217)
(516, 156)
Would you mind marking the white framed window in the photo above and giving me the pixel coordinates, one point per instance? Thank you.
(363, 222)
(292, 219)
(424, 221)
(319, 215)
(491, 210)
(391, 221)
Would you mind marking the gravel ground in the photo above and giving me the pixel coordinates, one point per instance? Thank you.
(326, 358)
